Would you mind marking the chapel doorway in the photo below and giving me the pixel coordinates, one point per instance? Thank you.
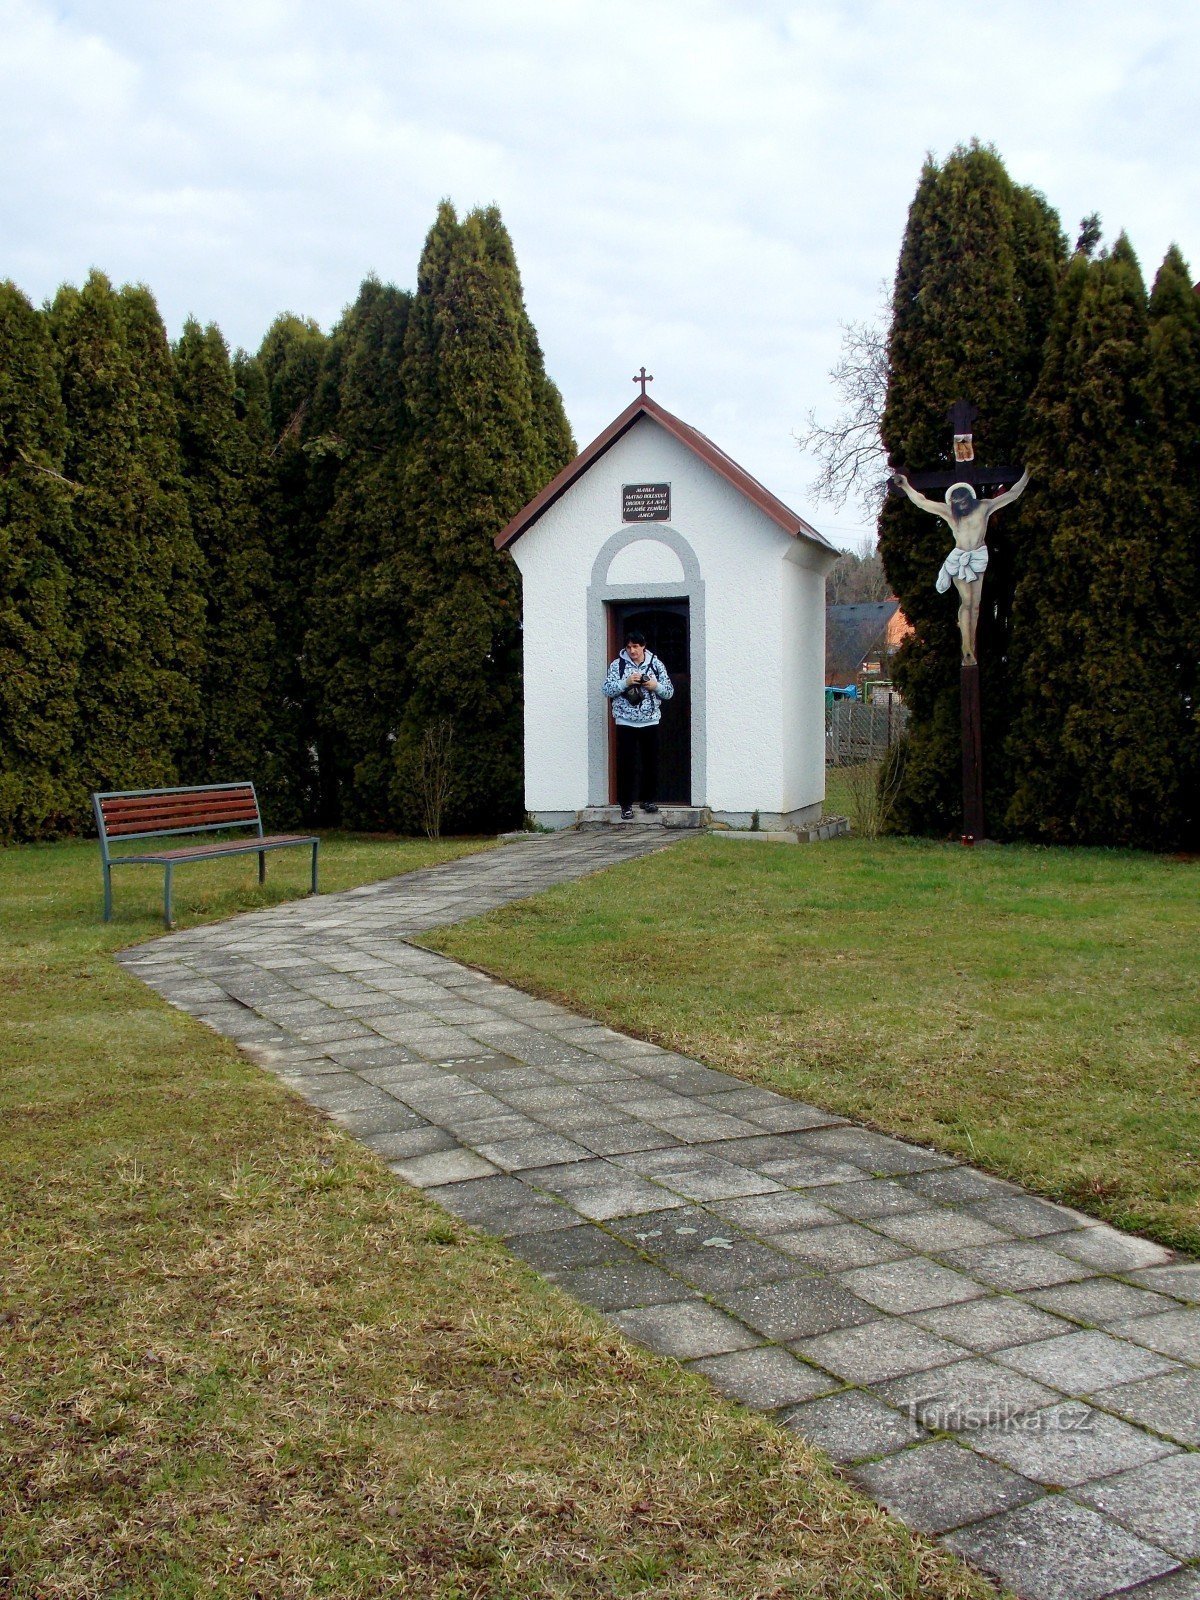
(666, 626)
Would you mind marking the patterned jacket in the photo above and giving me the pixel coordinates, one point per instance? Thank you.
(648, 713)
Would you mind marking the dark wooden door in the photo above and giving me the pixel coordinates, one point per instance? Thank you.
(665, 624)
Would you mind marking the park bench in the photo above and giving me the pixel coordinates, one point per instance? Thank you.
(134, 814)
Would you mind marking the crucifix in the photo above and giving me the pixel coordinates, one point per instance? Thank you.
(643, 377)
(966, 510)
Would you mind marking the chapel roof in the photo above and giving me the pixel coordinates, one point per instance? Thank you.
(698, 443)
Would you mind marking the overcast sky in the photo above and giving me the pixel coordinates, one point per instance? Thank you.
(706, 186)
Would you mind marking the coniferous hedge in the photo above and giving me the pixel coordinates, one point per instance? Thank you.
(1088, 637)
(276, 566)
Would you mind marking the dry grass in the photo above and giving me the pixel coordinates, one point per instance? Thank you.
(237, 1358)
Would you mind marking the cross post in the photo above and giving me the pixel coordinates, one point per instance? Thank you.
(643, 377)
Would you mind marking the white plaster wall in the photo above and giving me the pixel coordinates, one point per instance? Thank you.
(646, 561)
(763, 633)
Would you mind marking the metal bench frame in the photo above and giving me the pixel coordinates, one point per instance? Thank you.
(149, 858)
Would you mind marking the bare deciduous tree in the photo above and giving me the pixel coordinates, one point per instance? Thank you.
(849, 449)
(435, 775)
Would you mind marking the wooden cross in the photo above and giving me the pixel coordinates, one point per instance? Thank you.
(643, 377)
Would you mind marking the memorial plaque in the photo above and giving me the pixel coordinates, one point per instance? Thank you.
(645, 502)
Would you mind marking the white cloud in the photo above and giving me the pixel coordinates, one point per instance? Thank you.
(708, 186)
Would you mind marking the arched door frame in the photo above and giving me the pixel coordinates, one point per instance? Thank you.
(599, 593)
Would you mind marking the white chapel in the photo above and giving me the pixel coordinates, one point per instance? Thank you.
(653, 527)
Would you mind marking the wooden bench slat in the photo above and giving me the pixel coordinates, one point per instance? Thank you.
(173, 820)
(232, 847)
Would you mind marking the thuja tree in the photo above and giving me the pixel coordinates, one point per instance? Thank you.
(973, 296)
(1175, 408)
(357, 647)
(39, 648)
(136, 604)
(1096, 747)
(287, 397)
(232, 735)
(486, 430)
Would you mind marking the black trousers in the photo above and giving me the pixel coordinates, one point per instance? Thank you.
(637, 765)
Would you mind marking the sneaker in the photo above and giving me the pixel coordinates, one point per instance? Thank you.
(650, 807)
(626, 813)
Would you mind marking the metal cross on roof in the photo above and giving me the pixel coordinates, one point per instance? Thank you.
(643, 377)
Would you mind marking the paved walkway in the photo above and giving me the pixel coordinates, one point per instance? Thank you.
(999, 1371)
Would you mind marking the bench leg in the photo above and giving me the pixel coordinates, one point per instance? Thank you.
(167, 894)
(262, 866)
(107, 892)
(316, 847)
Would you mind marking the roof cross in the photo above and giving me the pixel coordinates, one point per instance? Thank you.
(643, 377)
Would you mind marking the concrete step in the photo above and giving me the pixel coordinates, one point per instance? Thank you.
(667, 817)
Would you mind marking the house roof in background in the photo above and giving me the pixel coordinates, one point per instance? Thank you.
(698, 443)
(852, 633)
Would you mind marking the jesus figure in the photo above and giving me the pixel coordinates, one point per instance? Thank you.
(965, 565)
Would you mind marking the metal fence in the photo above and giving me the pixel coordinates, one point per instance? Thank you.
(856, 732)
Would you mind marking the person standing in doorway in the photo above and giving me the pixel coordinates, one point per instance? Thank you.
(636, 685)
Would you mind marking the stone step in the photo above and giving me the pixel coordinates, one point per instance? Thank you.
(668, 817)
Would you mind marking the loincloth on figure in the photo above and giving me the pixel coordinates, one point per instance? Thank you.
(965, 565)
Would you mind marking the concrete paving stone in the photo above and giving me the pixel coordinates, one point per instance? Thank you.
(674, 1232)
(738, 1098)
(799, 1308)
(871, 1197)
(997, 1323)
(504, 1206)
(810, 1172)
(591, 1070)
(702, 1128)
(1069, 1443)
(1170, 1404)
(1053, 1549)
(875, 1152)
(1085, 1360)
(620, 1286)
(1100, 1301)
(419, 1141)
(1106, 1249)
(1182, 1280)
(717, 1272)
(877, 1351)
(621, 1137)
(912, 1285)
(1183, 1584)
(852, 1426)
(686, 1329)
(492, 1129)
(500, 1073)
(539, 1150)
(1173, 1333)
(441, 1167)
(782, 1212)
(938, 1486)
(792, 1116)
(715, 1180)
(766, 1378)
(960, 1186)
(370, 1055)
(335, 1094)
(393, 1118)
(545, 1098)
(755, 1148)
(600, 1191)
(584, 1245)
(1030, 1218)
(1161, 1502)
(542, 1050)
(968, 1396)
(1020, 1265)
(939, 1230)
(344, 1029)
(843, 1245)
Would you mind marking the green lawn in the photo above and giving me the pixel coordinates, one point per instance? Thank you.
(237, 1358)
(1034, 1011)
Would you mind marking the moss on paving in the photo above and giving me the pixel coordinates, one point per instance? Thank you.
(237, 1358)
(1036, 1012)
